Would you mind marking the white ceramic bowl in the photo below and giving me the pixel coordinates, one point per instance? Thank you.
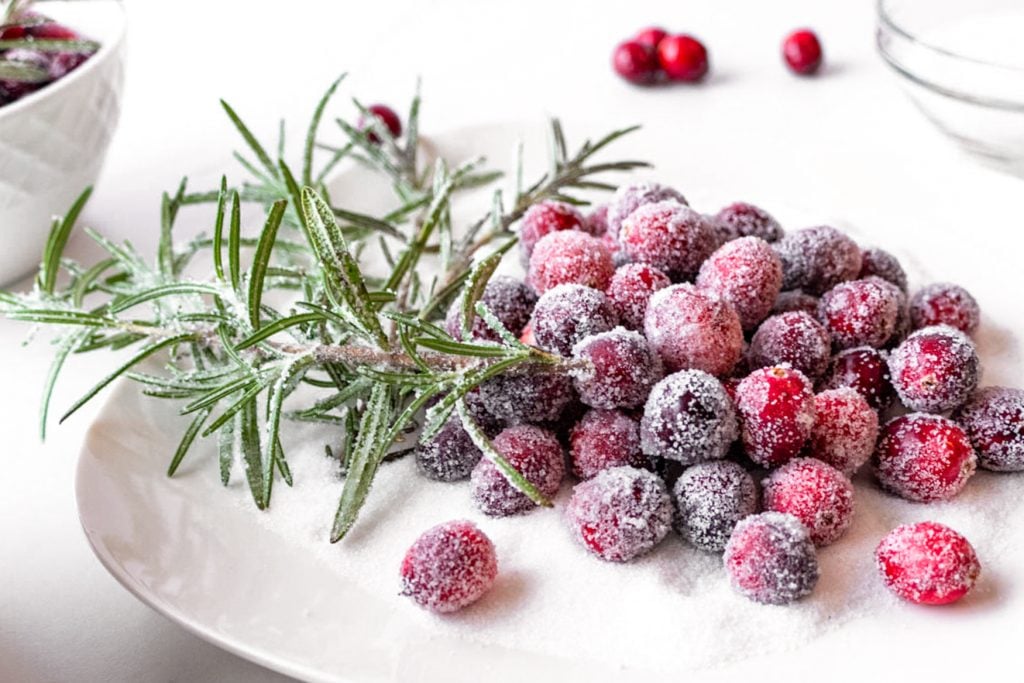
(53, 142)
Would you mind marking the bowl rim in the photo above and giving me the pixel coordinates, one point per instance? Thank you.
(107, 48)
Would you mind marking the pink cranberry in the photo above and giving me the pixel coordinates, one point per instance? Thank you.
(651, 36)
(770, 559)
(860, 312)
(865, 370)
(449, 456)
(741, 219)
(669, 236)
(692, 328)
(604, 439)
(620, 514)
(508, 298)
(688, 417)
(776, 407)
(544, 218)
(630, 290)
(570, 257)
(796, 300)
(526, 395)
(794, 338)
(635, 62)
(819, 495)
(596, 222)
(711, 498)
(927, 563)
(629, 198)
(683, 58)
(923, 457)
(881, 263)
(535, 453)
(935, 369)
(747, 273)
(802, 52)
(385, 115)
(568, 314)
(994, 420)
(619, 369)
(845, 429)
(449, 567)
(817, 259)
(945, 304)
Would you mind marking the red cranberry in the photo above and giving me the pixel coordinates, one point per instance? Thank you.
(570, 257)
(945, 304)
(711, 497)
(12, 33)
(688, 417)
(535, 453)
(620, 514)
(860, 312)
(620, 369)
(935, 369)
(385, 115)
(51, 31)
(668, 236)
(865, 370)
(635, 62)
(994, 419)
(63, 63)
(508, 298)
(796, 300)
(741, 219)
(631, 289)
(747, 273)
(845, 429)
(927, 563)
(449, 456)
(819, 495)
(683, 58)
(881, 263)
(526, 395)
(923, 457)
(449, 567)
(794, 338)
(651, 36)
(802, 52)
(629, 198)
(568, 314)
(596, 222)
(770, 559)
(776, 407)
(817, 259)
(544, 218)
(692, 328)
(604, 439)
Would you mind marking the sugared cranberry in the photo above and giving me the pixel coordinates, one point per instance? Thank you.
(794, 338)
(935, 369)
(688, 417)
(618, 369)
(13, 32)
(669, 236)
(770, 559)
(603, 439)
(51, 31)
(651, 36)
(544, 218)
(845, 429)
(449, 456)
(795, 300)
(683, 58)
(747, 273)
(923, 457)
(449, 567)
(510, 300)
(596, 221)
(817, 259)
(619, 514)
(568, 314)
(63, 63)
(819, 495)
(535, 453)
(865, 370)
(570, 257)
(694, 329)
(802, 52)
(635, 62)
(526, 395)
(994, 419)
(741, 219)
(776, 407)
(880, 263)
(944, 303)
(631, 289)
(385, 115)
(860, 312)
(927, 563)
(629, 198)
(711, 497)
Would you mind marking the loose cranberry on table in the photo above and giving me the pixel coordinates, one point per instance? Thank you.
(669, 236)
(776, 408)
(510, 300)
(544, 218)
(741, 219)
(450, 566)
(944, 303)
(923, 457)
(747, 273)
(819, 495)
(845, 429)
(617, 369)
(683, 58)
(535, 453)
(880, 263)
(927, 563)
(994, 420)
(570, 257)
(865, 370)
(861, 312)
(568, 314)
(636, 62)
(770, 559)
(935, 369)
(620, 514)
(629, 198)
(526, 395)
(710, 499)
(385, 115)
(603, 439)
(631, 289)
(796, 339)
(694, 329)
(450, 455)
(817, 259)
(802, 52)
(688, 417)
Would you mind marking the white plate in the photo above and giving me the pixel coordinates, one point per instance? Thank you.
(267, 586)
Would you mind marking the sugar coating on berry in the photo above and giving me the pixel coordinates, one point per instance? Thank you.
(923, 457)
(994, 420)
(864, 370)
(449, 567)
(567, 314)
(927, 563)
(596, 221)
(535, 453)
(526, 395)
(694, 329)
(710, 499)
(669, 236)
(794, 338)
(817, 259)
(819, 495)
(747, 273)
(570, 257)
(776, 408)
(935, 369)
(741, 219)
(629, 198)
(688, 417)
(510, 300)
(620, 513)
(603, 439)
(944, 303)
(845, 429)
(880, 263)
(631, 289)
(450, 455)
(617, 369)
(544, 218)
(796, 300)
(770, 559)
(860, 313)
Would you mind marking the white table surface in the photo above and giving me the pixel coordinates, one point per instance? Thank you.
(848, 141)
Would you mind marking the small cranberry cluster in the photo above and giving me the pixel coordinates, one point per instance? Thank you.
(711, 351)
(654, 56)
(54, 63)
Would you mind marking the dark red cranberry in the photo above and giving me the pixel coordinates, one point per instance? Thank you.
(845, 429)
(651, 36)
(793, 338)
(568, 314)
(510, 300)
(880, 263)
(865, 370)
(861, 312)
(570, 257)
(603, 439)
(935, 369)
(741, 219)
(776, 407)
(449, 567)
(449, 456)
(669, 236)
(770, 559)
(544, 218)
(711, 497)
(817, 259)
(694, 329)
(747, 273)
(802, 52)
(526, 395)
(629, 198)
(596, 222)
(618, 369)
(819, 495)
(796, 300)
(944, 303)
(635, 62)
(683, 58)
(385, 115)
(535, 453)
(923, 457)
(927, 563)
(12, 33)
(994, 419)
(688, 417)
(631, 289)
(51, 31)
(63, 63)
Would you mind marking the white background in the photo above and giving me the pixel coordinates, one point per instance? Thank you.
(847, 142)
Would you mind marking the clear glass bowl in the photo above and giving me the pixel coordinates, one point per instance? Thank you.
(962, 62)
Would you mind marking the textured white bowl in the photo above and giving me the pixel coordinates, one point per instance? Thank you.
(53, 142)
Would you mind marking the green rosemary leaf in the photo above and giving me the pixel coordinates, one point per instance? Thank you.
(125, 255)
(250, 139)
(295, 193)
(561, 151)
(234, 242)
(57, 241)
(477, 281)
(369, 222)
(278, 391)
(461, 349)
(21, 72)
(251, 456)
(45, 45)
(255, 388)
(439, 413)
(314, 126)
(216, 394)
(412, 129)
(162, 291)
(58, 317)
(261, 260)
(282, 464)
(589, 149)
(165, 249)
(218, 230)
(85, 282)
(227, 445)
(279, 325)
(421, 326)
(492, 322)
(64, 349)
(354, 389)
(337, 155)
(397, 378)
(186, 441)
